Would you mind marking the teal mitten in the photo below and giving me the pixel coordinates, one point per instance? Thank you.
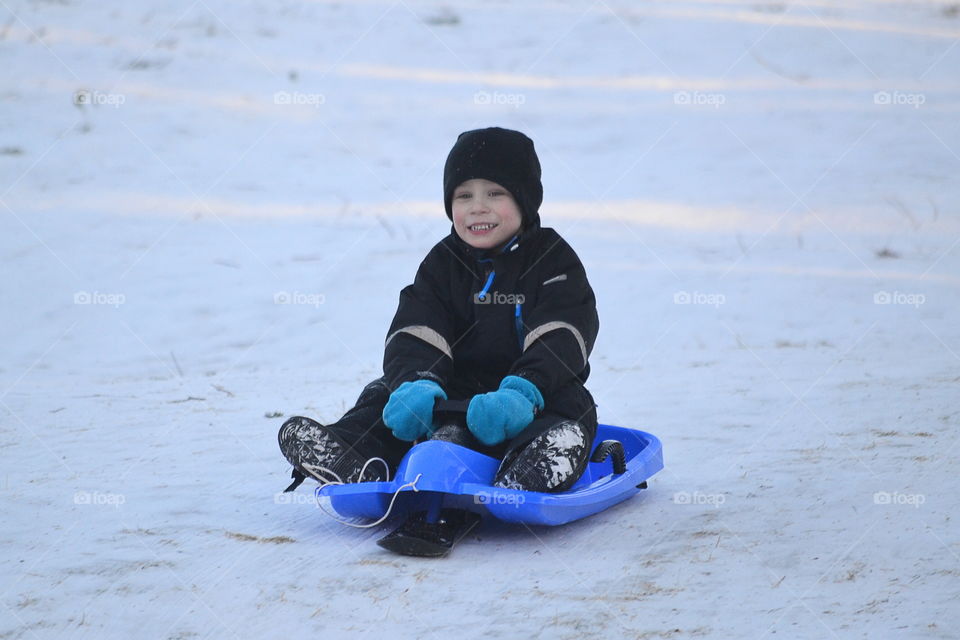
(501, 415)
(409, 411)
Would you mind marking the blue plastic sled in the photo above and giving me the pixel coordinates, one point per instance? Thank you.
(458, 477)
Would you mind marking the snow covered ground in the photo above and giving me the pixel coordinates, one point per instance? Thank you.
(207, 209)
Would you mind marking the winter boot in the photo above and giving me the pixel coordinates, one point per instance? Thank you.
(551, 462)
(316, 451)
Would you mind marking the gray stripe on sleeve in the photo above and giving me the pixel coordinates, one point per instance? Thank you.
(428, 335)
(551, 326)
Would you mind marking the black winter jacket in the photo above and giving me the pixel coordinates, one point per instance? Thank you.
(537, 319)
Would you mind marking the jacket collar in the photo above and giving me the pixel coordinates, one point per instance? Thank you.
(487, 255)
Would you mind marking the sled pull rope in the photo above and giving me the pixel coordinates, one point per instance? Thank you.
(298, 477)
(612, 449)
(412, 485)
(317, 471)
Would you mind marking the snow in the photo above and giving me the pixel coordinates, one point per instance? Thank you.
(765, 197)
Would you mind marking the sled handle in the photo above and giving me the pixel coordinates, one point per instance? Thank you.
(446, 407)
(612, 449)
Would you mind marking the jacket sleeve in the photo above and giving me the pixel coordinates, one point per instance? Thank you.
(561, 328)
(419, 342)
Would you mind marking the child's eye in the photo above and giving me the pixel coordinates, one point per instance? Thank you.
(496, 193)
(462, 196)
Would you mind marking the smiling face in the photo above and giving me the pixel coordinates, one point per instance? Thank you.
(485, 215)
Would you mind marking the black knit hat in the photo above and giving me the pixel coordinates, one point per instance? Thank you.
(500, 155)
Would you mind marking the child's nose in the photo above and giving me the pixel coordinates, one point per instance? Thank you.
(480, 204)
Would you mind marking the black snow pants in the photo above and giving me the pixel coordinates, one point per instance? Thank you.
(551, 461)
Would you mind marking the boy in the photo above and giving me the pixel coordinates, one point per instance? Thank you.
(501, 314)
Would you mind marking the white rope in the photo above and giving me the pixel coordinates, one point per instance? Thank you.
(315, 472)
(412, 485)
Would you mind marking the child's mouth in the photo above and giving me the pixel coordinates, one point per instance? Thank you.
(483, 228)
